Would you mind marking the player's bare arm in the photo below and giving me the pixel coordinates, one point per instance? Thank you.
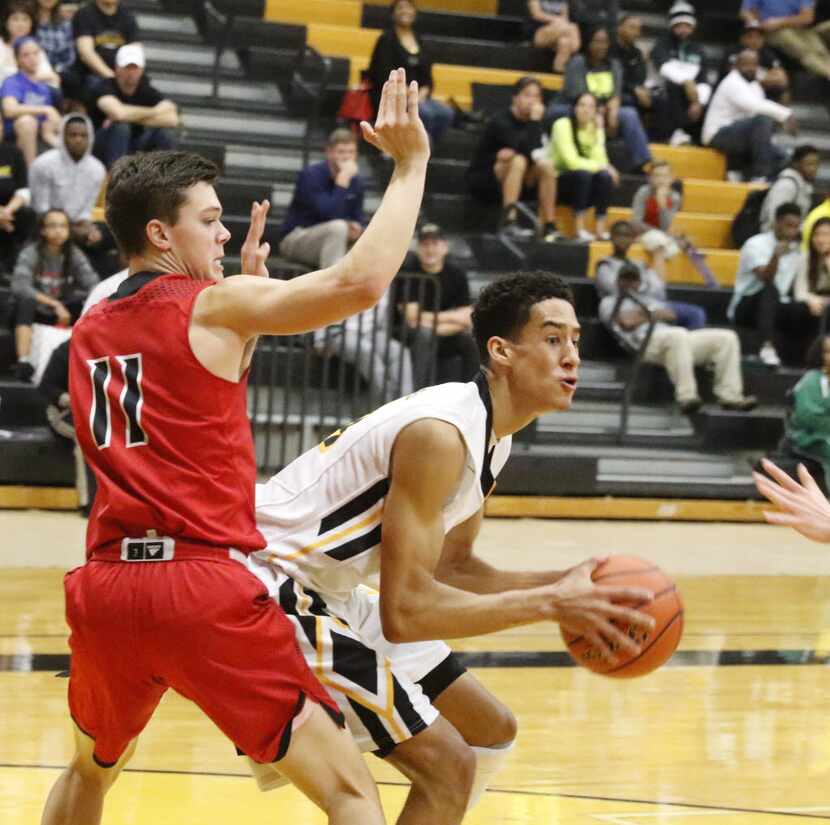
(460, 567)
(802, 506)
(253, 306)
(415, 605)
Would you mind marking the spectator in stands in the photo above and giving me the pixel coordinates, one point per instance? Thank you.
(681, 63)
(653, 209)
(326, 212)
(54, 33)
(131, 115)
(440, 324)
(741, 121)
(788, 25)
(821, 211)
(17, 220)
(634, 66)
(595, 71)
(506, 162)
(588, 14)
(771, 292)
(771, 73)
(586, 178)
(29, 106)
(70, 178)
(51, 280)
(651, 285)
(808, 425)
(552, 30)
(678, 350)
(793, 185)
(818, 263)
(18, 21)
(399, 46)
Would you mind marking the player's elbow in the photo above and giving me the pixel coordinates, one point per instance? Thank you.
(399, 622)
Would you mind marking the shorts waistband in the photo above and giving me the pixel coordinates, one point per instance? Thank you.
(154, 549)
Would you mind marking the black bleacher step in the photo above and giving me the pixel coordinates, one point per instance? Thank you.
(237, 194)
(20, 404)
(500, 28)
(34, 455)
(164, 27)
(739, 488)
(238, 227)
(760, 429)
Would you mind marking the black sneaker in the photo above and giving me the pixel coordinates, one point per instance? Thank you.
(747, 403)
(24, 371)
(691, 406)
(550, 234)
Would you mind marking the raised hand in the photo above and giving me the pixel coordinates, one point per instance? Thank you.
(587, 609)
(801, 506)
(398, 130)
(254, 254)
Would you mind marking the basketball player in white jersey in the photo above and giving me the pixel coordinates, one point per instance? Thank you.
(400, 492)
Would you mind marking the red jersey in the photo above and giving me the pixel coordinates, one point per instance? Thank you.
(169, 442)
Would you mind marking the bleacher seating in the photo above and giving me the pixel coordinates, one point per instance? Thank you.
(254, 130)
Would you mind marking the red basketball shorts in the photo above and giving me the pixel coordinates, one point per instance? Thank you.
(202, 625)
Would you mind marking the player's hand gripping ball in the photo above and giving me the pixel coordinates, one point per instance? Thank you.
(656, 645)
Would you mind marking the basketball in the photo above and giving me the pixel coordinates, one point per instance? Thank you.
(658, 644)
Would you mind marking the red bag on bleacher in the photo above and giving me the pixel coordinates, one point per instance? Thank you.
(356, 106)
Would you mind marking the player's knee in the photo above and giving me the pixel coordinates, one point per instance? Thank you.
(503, 727)
(452, 775)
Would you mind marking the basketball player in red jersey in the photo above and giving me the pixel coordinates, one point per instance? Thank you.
(158, 385)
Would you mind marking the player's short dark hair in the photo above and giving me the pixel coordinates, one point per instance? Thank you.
(503, 307)
(802, 151)
(788, 208)
(148, 186)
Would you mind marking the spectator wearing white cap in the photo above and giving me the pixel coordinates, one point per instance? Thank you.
(100, 28)
(130, 113)
(681, 62)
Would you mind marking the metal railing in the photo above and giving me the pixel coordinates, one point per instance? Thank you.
(309, 72)
(639, 352)
(304, 387)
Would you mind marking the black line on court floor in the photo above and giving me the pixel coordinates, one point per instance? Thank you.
(31, 662)
(505, 791)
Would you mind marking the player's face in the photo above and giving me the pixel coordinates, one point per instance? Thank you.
(545, 358)
(198, 237)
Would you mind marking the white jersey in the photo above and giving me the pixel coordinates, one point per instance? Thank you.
(321, 516)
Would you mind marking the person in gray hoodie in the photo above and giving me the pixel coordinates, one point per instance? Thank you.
(69, 177)
(51, 279)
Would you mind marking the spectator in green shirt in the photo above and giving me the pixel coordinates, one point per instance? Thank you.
(586, 178)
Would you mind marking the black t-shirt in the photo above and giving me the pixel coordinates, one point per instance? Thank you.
(455, 289)
(145, 95)
(109, 32)
(12, 172)
(502, 131)
(635, 69)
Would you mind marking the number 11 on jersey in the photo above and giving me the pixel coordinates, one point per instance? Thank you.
(130, 399)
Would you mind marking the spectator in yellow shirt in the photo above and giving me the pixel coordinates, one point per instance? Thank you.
(586, 178)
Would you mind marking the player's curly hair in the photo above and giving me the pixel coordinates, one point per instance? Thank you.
(503, 307)
(147, 186)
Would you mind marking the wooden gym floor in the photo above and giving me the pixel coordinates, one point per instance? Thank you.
(736, 730)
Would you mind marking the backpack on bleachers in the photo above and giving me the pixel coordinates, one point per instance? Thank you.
(748, 220)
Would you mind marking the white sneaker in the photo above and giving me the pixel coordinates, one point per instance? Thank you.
(680, 138)
(769, 356)
(584, 236)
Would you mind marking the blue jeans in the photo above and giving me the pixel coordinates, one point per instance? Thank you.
(690, 316)
(634, 136)
(117, 140)
(437, 118)
(747, 144)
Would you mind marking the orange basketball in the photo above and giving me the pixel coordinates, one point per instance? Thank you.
(658, 644)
